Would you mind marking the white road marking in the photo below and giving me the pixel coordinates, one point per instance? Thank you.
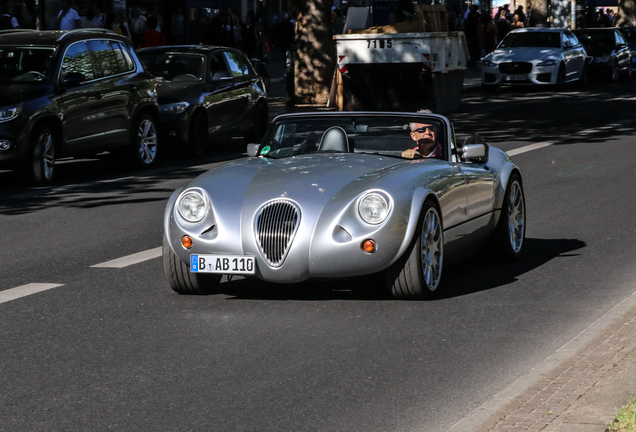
(25, 290)
(131, 259)
(529, 148)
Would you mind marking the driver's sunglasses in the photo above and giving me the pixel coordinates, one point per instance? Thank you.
(422, 129)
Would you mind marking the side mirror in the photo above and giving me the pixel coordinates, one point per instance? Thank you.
(252, 149)
(474, 149)
(74, 79)
(221, 76)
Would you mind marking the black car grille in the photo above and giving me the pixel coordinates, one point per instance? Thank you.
(276, 225)
(515, 68)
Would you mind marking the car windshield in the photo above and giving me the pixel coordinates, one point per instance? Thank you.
(174, 66)
(594, 38)
(25, 64)
(532, 39)
(382, 135)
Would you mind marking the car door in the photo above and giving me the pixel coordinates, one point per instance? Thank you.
(112, 91)
(218, 100)
(242, 86)
(574, 56)
(80, 117)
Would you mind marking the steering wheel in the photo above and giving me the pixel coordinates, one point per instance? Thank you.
(32, 75)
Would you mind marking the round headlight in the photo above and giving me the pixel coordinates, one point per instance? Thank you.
(192, 206)
(373, 208)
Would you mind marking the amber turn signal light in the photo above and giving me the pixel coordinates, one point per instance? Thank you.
(368, 246)
(186, 242)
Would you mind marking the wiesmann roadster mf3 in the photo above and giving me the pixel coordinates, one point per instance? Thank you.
(345, 194)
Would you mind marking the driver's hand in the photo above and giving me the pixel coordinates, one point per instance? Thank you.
(410, 153)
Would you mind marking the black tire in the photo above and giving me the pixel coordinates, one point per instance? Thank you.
(510, 233)
(181, 280)
(628, 73)
(560, 84)
(40, 166)
(409, 278)
(489, 88)
(614, 75)
(198, 135)
(259, 125)
(145, 141)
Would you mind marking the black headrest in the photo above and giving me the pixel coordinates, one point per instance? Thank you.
(334, 140)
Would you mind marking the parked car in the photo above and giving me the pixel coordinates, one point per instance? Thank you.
(72, 93)
(336, 195)
(536, 56)
(205, 90)
(629, 34)
(610, 55)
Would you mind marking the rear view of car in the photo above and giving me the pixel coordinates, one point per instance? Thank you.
(535, 56)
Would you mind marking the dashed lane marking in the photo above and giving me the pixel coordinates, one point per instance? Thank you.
(25, 290)
(131, 259)
(530, 148)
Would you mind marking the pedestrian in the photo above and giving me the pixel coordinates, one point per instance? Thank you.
(337, 21)
(473, 32)
(490, 33)
(8, 21)
(178, 27)
(250, 36)
(522, 15)
(90, 20)
(227, 35)
(137, 26)
(503, 24)
(201, 28)
(516, 23)
(284, 34)
(154, 12)
(68, 18)
(120, 24)
(99, 16)
(152, 37)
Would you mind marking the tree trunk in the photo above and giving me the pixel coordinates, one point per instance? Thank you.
(315, 51)
(538, 13)
(626, 13)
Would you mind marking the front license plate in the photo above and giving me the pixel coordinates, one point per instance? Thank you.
(516, 77)
(226, 264)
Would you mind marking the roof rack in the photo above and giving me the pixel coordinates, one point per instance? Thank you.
(16, 31)
(86, 30)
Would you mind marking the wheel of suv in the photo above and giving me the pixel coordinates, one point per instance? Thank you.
(614, 73)
(145, 144)
(41, 162)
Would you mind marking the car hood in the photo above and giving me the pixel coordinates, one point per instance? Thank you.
(177, 91)
(16, 93)
(598, 50)
(310, 180)
(524, 54)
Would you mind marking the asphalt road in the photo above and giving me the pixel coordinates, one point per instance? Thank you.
(113, 348)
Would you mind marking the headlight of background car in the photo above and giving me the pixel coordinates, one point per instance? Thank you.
(192, 205)
(174, 108)
(488, 63)
(548, 63)
(373, 208)
(7, 114)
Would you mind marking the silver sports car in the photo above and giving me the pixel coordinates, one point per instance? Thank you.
(345, 194)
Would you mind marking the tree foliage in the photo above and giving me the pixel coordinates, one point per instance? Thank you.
(626, 13)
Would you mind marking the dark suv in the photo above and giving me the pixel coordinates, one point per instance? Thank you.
(73, 93)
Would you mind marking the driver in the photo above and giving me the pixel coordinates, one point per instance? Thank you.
(424, 134)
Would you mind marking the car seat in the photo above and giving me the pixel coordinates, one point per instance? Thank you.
(334, 140)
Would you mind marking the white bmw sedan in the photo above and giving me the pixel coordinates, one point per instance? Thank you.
(541, 56)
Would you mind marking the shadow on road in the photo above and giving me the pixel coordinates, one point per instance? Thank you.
(476, 274)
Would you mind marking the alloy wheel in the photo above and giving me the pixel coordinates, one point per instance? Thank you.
(431, 249)
(147, 138)
(516, 216)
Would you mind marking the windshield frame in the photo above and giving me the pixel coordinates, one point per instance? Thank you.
(527, 35)
(159, 54)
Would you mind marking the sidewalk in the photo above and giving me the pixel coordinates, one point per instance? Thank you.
(580, 388)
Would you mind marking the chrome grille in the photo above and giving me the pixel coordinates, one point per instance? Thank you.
(276, 225)
(515, 68)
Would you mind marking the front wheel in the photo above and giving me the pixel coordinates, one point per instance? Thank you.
(560, 84)
(511, 229)
(41, 162)
(180, 278)
(418, 273)
(145, 143)
(614, 73)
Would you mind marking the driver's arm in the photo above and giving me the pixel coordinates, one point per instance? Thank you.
(410, 153)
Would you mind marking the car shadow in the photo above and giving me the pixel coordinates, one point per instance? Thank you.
(478, 273)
